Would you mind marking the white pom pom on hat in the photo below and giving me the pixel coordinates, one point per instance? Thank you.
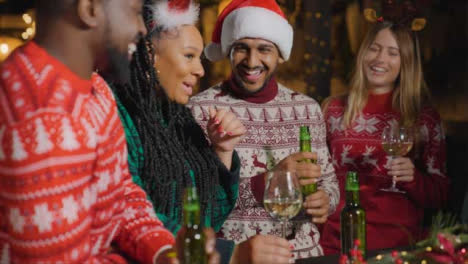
(173, 13)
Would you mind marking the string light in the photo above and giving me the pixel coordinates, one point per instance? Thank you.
(27, 18)
(4, 48)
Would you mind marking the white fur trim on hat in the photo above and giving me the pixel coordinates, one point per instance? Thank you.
(253, 22)
(168, 19)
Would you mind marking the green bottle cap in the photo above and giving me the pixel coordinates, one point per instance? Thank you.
(352, 183)
(304, 133)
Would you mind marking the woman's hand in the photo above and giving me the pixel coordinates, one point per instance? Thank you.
(402, 169)
(224, 131)
(263, 249)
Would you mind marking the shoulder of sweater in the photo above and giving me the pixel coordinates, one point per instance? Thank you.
(295, 96)
(207, 94)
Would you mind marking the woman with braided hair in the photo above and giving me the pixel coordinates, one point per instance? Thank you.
(168, 151)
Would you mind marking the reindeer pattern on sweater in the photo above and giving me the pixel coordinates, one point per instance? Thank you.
(272, 134)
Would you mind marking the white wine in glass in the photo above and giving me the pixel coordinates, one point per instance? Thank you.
(283, 208)
(396, 141)
(283, 197)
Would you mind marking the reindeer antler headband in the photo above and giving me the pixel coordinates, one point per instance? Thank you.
(403, 13)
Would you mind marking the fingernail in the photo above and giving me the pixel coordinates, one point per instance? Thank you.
(216, 121)
(291, 246)
(229, 133)
(220, 129)
(292, 255)
(210, 247)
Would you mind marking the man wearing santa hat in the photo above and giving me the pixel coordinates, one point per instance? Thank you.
(257, 38)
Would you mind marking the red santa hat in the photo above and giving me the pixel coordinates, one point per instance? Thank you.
(250, 19)
(168, 14)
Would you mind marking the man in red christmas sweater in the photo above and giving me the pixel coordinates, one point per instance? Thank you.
(66, 195)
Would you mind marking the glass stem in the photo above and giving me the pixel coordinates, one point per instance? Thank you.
(393, 177)
(283, 228)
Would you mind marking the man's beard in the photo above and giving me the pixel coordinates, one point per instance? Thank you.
(118, 66)
(117, 63)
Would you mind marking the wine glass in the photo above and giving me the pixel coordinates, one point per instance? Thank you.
(283, 197)
(396, 141)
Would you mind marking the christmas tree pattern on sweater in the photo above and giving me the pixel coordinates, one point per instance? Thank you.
(272, 134)
(65, 191)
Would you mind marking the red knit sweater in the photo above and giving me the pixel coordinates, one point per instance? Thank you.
(391, 217)
(65, 190)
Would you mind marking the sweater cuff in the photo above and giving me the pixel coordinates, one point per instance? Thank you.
(225, 249)
(257, 184)
(153, 244)
(155, 257)
(233, 174)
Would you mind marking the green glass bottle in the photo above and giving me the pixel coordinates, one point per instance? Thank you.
(353, 218)
(194, 239)
(304, 146)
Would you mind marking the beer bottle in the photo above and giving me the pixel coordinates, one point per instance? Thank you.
(353, 218)
(304, 146)
(194, 239)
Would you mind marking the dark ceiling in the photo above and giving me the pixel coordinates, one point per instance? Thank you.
(15, 6)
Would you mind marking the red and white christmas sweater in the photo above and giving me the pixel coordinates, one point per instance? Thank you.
(393, 219)
(272, 118)
(65, 191)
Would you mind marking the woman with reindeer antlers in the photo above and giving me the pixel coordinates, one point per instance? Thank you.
(387, 89)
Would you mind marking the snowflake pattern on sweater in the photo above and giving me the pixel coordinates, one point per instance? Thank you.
(272, 134)
(391, 217)
(65, 190)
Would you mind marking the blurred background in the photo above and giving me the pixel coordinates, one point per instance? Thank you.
(326, 38)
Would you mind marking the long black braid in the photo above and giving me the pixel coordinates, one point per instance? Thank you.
(172, 141)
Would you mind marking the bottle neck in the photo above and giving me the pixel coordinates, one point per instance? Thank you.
(304, 145)
(192, 217)
(191, 208)
(352, 198)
